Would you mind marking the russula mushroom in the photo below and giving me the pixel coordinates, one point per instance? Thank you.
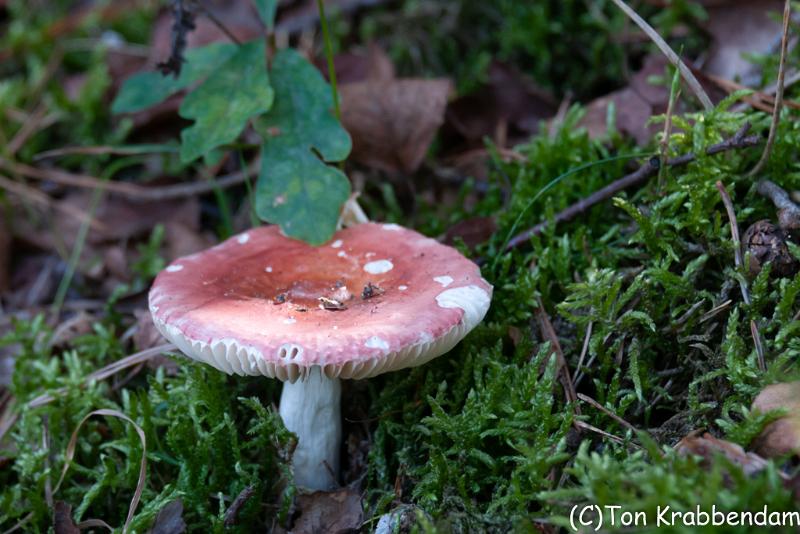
(376, 298)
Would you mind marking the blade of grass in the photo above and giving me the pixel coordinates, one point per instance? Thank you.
(687, 75)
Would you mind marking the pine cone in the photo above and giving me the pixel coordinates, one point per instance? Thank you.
(766, 243)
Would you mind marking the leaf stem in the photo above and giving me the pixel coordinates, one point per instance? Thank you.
(326, 36)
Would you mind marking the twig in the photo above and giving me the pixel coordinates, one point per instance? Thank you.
(612, 415)
(587, 426)
(232, 513)
(218, 23)
(739, 262)
(563, 369)
(183, 23)
(37, 197)
(739, 140)
(687, 75)
(788, 211)
(776, 111)
(168, 192)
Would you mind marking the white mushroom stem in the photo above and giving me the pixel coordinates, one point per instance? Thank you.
(311, 409)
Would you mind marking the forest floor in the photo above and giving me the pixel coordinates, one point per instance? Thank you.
(635, 219)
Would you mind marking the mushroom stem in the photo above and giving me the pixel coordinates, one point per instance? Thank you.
(310, 408)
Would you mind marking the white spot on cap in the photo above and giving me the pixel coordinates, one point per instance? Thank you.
(244, 238)
(444, 280)
(393, 227)
(337, 243)
(402, 288)
(379, 266)
(369, 254)
(335, 327)
(290, 320)
(341, 254)
(473, 300)
(175, 268)
(269, 269)
(377, 343)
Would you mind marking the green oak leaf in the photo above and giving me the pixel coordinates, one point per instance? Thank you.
(296, 189)
(221, 106)
(145, 89)
(266, 10)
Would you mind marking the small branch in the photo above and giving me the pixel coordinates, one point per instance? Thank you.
(776, 111)
(788, 211)
(218, 23)
(232, 513)
(183, 23)
(739, 140)
(686, 74)
(739, 262)
(587, 399)
(131, 190)
(555, 346)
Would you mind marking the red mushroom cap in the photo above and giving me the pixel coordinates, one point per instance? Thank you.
(377, 298)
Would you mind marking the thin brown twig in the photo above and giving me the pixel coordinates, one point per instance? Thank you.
(587, 426)
(218, 23)
(130, 190)
(555, 346)
(739, 262)
(776, 111)
(739, 140)
(232, 513)
(587, 399)
(37, 197)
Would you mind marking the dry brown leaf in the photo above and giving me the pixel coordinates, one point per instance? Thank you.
(738, 28)
(392, 122)
(509, 105)
(360, 65)
(62, 519)
(472, 231)
(146, 335)
(633, 105)
(781, 437)
(169, 519)
(329, 511)
(707, 446)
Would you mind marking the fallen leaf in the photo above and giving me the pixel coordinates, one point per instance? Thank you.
(393, 122)
(707, 446)
(146, 335)
(781, 437)
(472, 231)
(169, 519)
(131, 218)
(632, 105)
(739, 28)
(62, 519)
(509, 101)
(360, 65)
(329, 511)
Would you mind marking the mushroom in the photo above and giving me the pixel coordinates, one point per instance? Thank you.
(377, 298)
